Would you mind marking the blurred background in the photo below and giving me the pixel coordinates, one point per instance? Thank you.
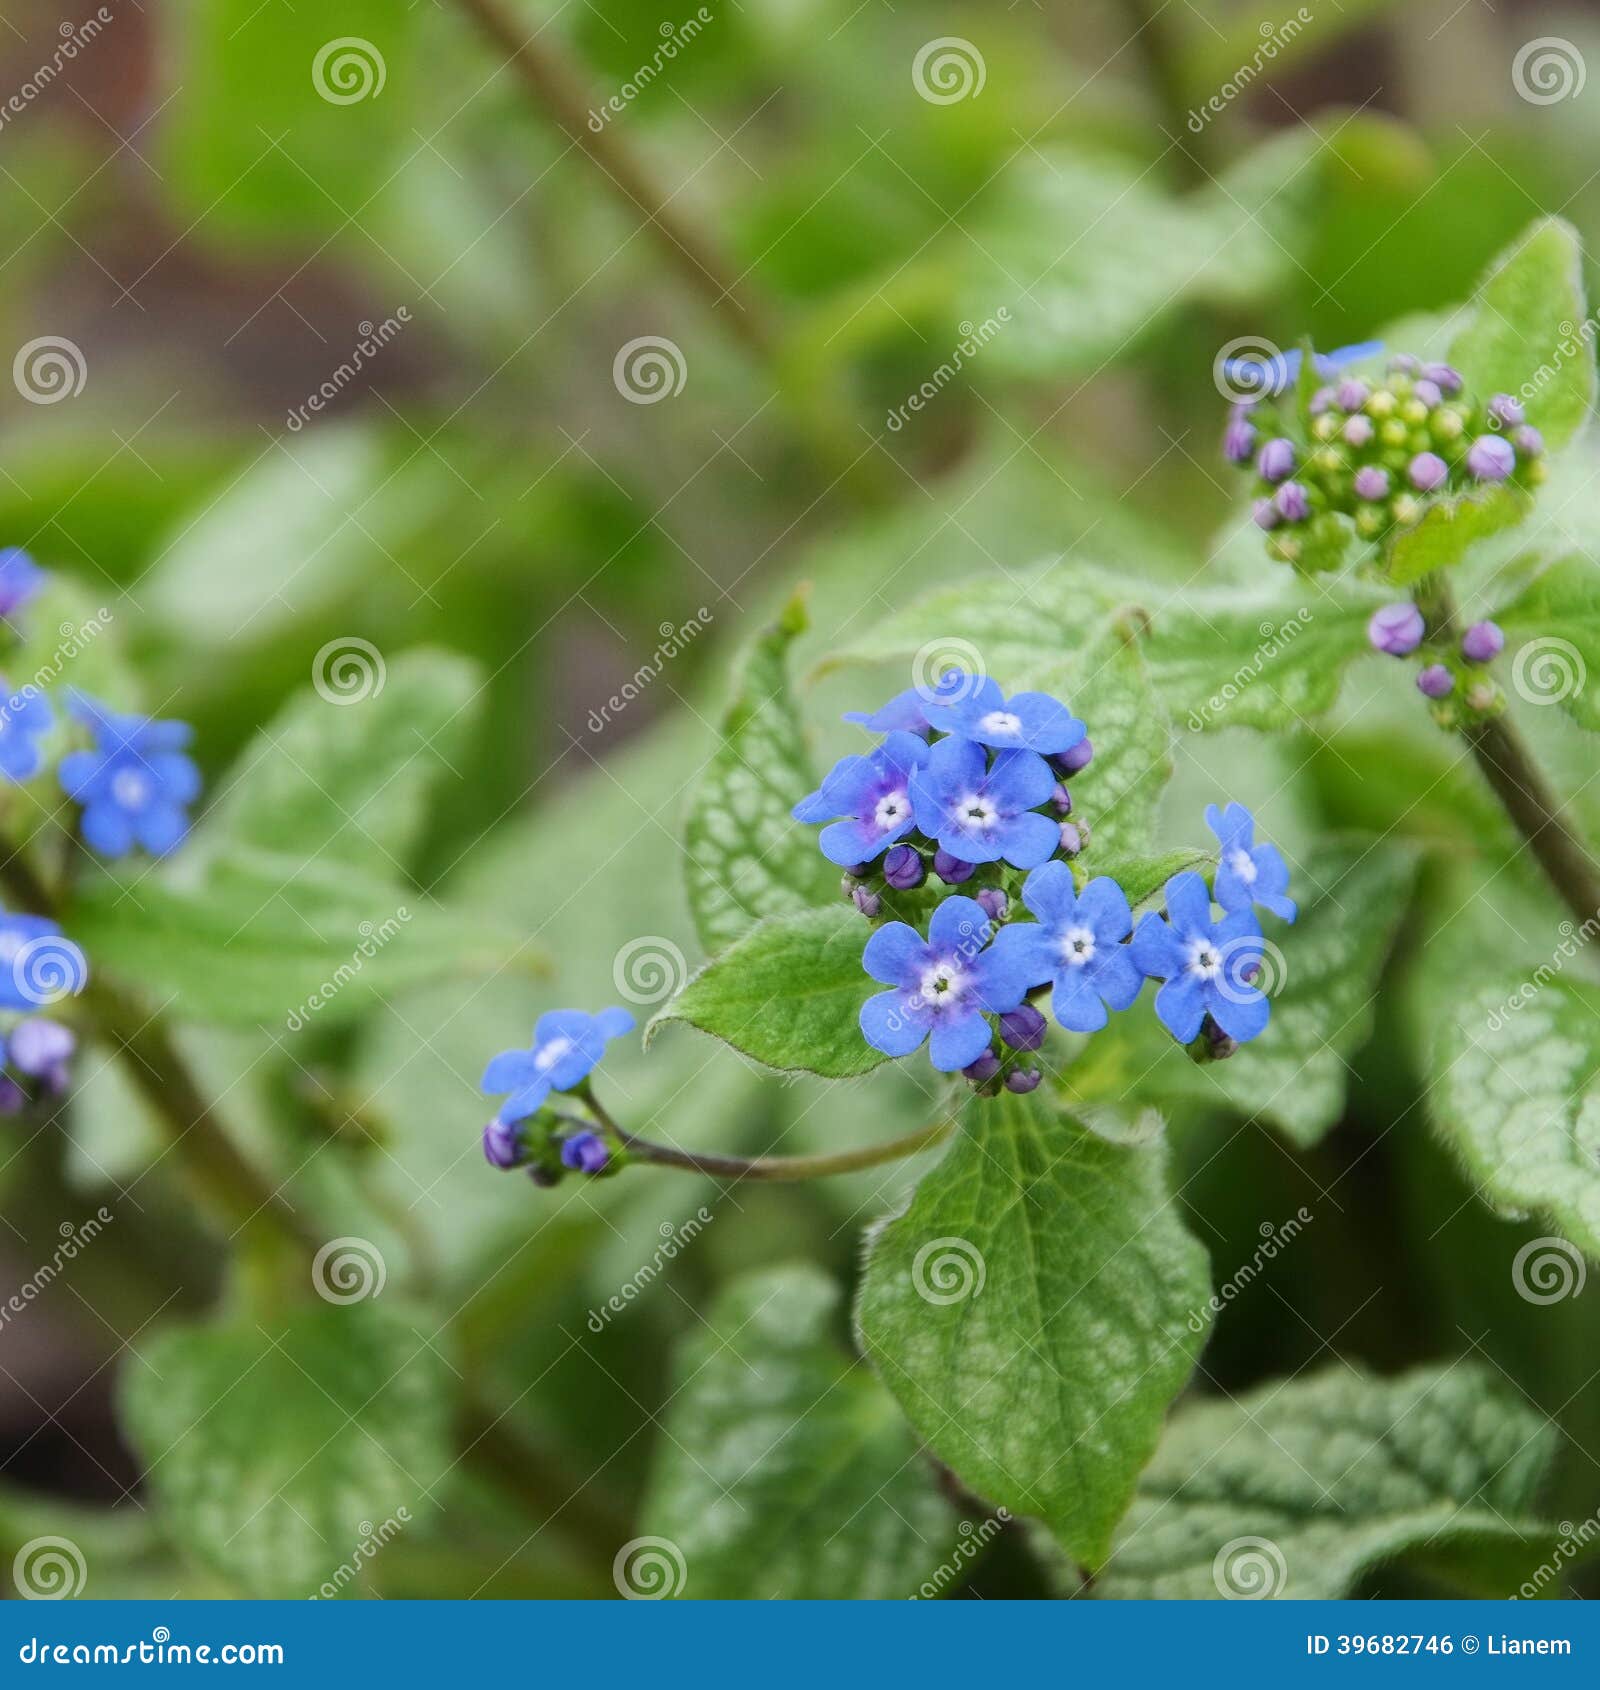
(353, 321)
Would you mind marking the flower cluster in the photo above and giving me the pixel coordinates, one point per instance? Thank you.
(986, 803)
(1400, 629)
(1372, 454)
(526, 1130)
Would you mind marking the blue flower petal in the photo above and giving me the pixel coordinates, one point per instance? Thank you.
(1188, 903)
(1181, 1005)
(1025, 950)
(1051, 894)
(892, 1024)
(1029, 839)
(1240, 1014)
(1076, 1003)
(959, 924)
(1103, 905)
(1116, 976)
(509, 1071)
(1156, 949)
(895, 954)
(958, 1040)
(1020, 779)
(614, 1023)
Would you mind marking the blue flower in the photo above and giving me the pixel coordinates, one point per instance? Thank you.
(904, 713)
(1031, 721)
(134, 784)
(20, 579)
(586, 1152)
(1076, 944)
(566, 1046)
(1207, 966)
(24, 718)
(981, 814)
(38, 964)
(942, 987)
(872, 793)
(1268, 377)
(1248, 873)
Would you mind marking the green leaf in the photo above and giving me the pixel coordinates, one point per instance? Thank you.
(1225, 658)
(1035, 1309)
(1448, 528)
(788, 992)
(1322, 974)
(1526, 335)
(1553, 638)
(1141, 878)
(786, 1469)
(275, 1453)
(1297, 1489)
(1515, 1091)
(746, 856)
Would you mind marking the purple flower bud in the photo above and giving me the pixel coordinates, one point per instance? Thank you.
(903, 868)
(984, 1069)
(545, 1177)
(994, 903)
(39, 1045)
(1395, 629)
(1265, 515)
(1074, 761)
(1403, 364)
(1071, 839)
(1446, 379)
(869, 903)
(1483, 642)
(1428, 392)
(951, 870)
(1435, 681)
(12, 1097)
(502, 1146)
(1321, 400)
(1505, 412)
(1275, 460)
(1490, 458)
(1353, 395)
(1427, 471)
(1239, 438)
(586, 1152)
(1528, 440)
(1372, 482)
(1061, 800)
(1358, 431)
(1293, 502)
(1023, 1079)
(1024, 1028)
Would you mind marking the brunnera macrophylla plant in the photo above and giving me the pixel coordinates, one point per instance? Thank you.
(981, 901)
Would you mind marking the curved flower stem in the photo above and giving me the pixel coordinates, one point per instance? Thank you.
(1508, 764)
(771, 1167)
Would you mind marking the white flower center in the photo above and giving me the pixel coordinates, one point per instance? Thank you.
(977, 811)
(547, 1056)
(130, 789)
(1243, 865)
(941, 986)
(891, 811)
(1001, 722)
(1077, 946)
(1205, 960)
